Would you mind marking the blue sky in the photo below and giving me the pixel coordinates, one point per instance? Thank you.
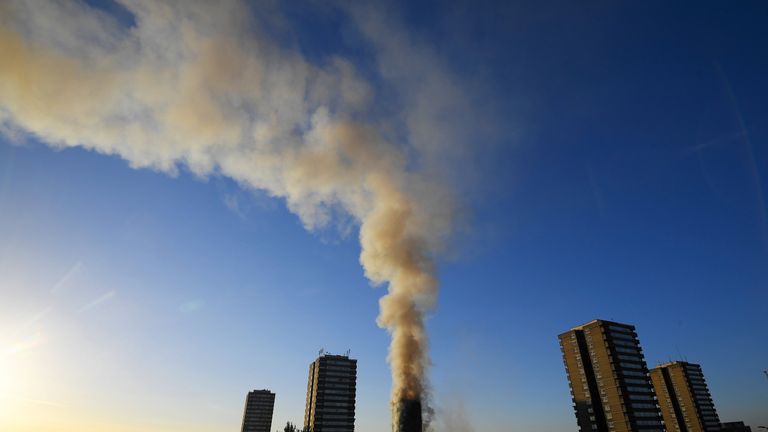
(618, 172)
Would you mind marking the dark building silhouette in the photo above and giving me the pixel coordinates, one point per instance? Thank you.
(609, 380)
(331, 394)
(684, 398)
(259, 405)
(410, 419)
(735, 427)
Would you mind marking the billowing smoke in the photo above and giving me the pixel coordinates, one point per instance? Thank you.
(220, 88)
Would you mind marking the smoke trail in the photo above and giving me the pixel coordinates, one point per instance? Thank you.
(202, 86)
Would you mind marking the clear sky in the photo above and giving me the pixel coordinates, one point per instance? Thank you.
(606, 161)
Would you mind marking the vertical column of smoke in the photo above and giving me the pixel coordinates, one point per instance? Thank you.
(391, 252)
(193, 84)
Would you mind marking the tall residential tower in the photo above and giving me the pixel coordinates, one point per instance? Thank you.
(684, 398)
(258, 411)
(609, 379)
(331, 394)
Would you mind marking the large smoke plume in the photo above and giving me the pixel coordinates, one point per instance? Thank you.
(219, 88)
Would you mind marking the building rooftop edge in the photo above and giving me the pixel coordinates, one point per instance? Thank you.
(675, 362)
(339, 356)
(581, 327)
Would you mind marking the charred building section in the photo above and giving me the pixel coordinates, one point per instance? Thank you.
(409, 416)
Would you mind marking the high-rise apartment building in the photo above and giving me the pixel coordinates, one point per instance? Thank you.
(609, 380)
(738, 426)
(259, 405)
(331, 394)
(684, 398)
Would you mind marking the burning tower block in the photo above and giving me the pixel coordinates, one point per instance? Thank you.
(409, 416)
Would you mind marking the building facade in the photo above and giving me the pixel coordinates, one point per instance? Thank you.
(259, 405)
(738, 426)
(609, 380)
(331, 394)
(684, 398)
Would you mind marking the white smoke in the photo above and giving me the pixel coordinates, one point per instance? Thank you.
(453, 417)
(206, 86)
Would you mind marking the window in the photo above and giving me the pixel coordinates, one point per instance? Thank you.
(629, 358)
(624, 342)
(648, 423)
(640, 397)
(623, 336)
(627, 350)
(621, 329)
(639, 389)
(630, 365)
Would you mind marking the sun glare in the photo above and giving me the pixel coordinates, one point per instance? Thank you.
(4, 375)
(8, 371)
(12, 359)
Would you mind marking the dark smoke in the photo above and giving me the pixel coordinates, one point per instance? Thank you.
(409, 419)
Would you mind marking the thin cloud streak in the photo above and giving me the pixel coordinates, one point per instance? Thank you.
(754, 172)
(33, 401)
(723, 140)
(32, 321)
(97, 301)
(68, 276)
